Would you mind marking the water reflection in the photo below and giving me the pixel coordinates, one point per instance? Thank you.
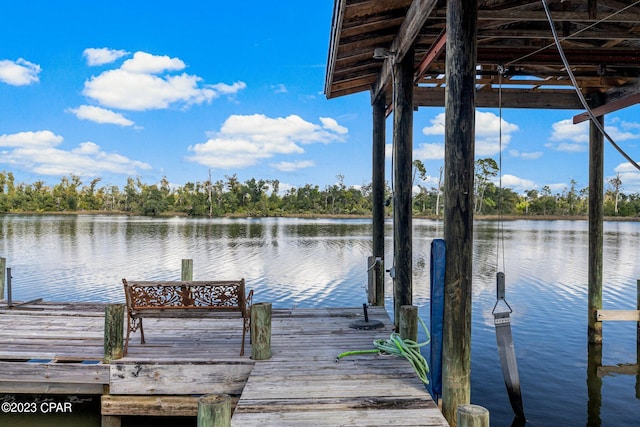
(320, 262)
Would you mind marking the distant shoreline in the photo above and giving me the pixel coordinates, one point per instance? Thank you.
(337, 216)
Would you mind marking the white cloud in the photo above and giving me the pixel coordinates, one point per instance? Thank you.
(279, 88)
(333, 126)
(41, 138)
(429, 152)
(565, 136)
(526, 156)
(19, 73)
(565, 130)
(630, 177)
(437, 126)
(245, 140)
(103, 55)
(144, 83)
(567, 147)
(487, 132)
(226, 89)
(100, 115)
(38, 153)
(145, 63)
(516, 183)
(388, 151)
(293, 166)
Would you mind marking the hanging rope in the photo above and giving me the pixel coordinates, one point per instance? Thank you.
(397, 346)
(502, 321)
(588, 27)
(577, 88)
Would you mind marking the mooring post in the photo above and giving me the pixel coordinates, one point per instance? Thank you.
(187, 270)
(596, 220)
(3, 265)
(472, 416)
(594, 384)
(113, 332)
(402, 181)
(461, 28)
(377, 192)
(110, 421)
(214, 410)
(261, 331)
(638, 341)
(9, 296)
(375, 281)
(409, 322)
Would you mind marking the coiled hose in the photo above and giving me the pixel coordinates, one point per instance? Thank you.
(397, 346)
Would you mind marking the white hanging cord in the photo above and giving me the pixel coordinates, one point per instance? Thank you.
(579, 93)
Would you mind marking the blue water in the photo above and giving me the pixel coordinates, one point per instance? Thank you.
(322, 262)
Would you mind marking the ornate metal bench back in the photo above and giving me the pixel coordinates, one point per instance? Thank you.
(216, 295)
(154, 297)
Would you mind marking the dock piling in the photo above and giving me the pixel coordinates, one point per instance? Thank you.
(113, 332)
(261, 331)
(472, 416)
(3, 265)
(214, 410)
(409, 322)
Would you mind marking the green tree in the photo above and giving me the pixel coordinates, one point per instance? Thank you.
(485, 169)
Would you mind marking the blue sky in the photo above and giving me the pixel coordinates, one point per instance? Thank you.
(152, 89)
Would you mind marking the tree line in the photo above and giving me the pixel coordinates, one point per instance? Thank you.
(260, 197)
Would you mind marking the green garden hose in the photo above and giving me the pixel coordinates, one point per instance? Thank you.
(396, 346)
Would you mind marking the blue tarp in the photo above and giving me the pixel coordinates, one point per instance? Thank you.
(438, 263)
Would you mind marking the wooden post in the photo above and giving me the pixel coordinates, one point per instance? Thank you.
(402, 182)
(110, 421)
(9, 296)
(638, 341)
(261, 331)
(596, 220)
(113, 332)
(373, 267)
(3, 266)
(594, 384)
(187, 270)
(214, 410)
(409, 322)
(472, 416)
(461, 28)
(377, 194)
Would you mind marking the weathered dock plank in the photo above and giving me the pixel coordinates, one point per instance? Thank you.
(178, 378)
(302, 384)
(78, 373)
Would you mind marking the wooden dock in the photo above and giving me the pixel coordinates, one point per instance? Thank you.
(57, 349)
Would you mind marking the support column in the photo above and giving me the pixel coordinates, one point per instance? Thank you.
(596, 219)
(3, 266)
(377, 183)
(402, 165)
(461, 31)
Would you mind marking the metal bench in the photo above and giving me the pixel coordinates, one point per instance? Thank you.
(184, 299)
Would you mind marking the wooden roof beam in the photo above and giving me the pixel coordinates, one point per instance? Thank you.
(540, 16)
(559, 99)
(610, 107)
(336, 23)
(417, 15)
(432, 54)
